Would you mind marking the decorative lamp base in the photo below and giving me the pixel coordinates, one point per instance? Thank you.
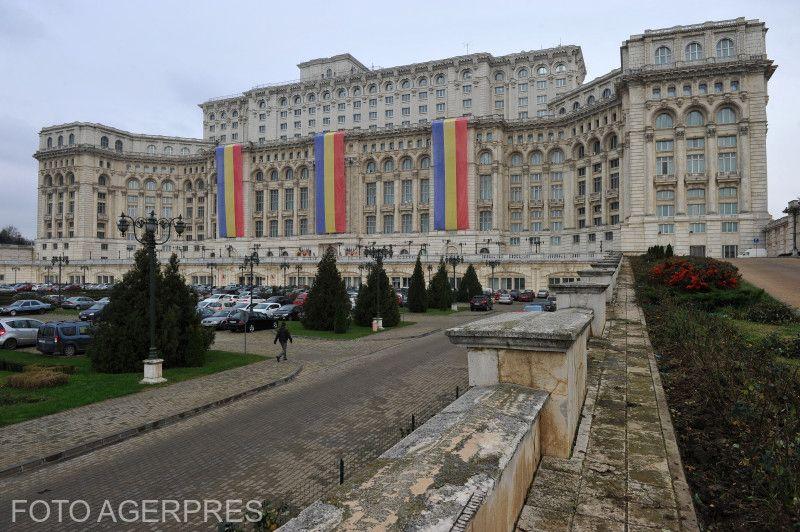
(152, 371)
(454, 306)
(377, 324)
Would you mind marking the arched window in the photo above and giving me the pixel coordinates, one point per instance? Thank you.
(261, 105)
(406, 163)
(485, 157)
(499, 76)
(200, 184)
(60, 140)
(356, 91)
(663, 55)
(133, 184)
(149, 185)
(168, 186)
(424, 162)
(373, 89)
(167, 150)
(259, 176)
(562, 111)
(422, 82)
(235, 114)
(49, 142)
(612, 142)
(536, 157)
(341, 93)
(371, 167)
(561, 67)
(695, 118)
(222, 114)
(311, 97)
(557, 156)
(104, 142)
(388, 165)
(694, 51)
(283, 101)
(541, 70)
(60, 180)
(118, 147)
(590, 99)
(70, 178)
(581, 151)
(212, 116)
(726, 115)
(48, 181)
(71, 140)
(289, 173)
(440, 79)
(273, 175)
(102, 180)
(606, 93)
(725, 48)
(516, 159)
(576, 106)
(151, 149)
(405, 84)
(328, 73)
(187, 186)
(389, 86)
(663, 121)
(184, 151)
(467, 74)
(596, 148)
(304, 172)
(326, 95)
(484, 251)
(297, 100)
(522, 73)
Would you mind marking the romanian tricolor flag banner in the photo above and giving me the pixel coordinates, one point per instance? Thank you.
(230, 193)
(450, 174)
(330, 183)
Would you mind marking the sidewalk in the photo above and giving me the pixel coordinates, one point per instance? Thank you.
(70, 433)
(626, 471)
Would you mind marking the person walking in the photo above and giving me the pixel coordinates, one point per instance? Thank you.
(283, 335)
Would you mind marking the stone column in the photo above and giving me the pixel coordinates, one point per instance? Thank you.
(584, 295)
(544, 351)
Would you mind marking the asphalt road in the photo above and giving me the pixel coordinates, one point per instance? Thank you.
(284, 443)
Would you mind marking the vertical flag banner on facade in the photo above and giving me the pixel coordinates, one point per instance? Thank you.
(330, 183)
(450, 174)
(230, 192)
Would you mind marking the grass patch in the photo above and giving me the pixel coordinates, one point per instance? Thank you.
(86, 386)
(354, 332)
(430, 312)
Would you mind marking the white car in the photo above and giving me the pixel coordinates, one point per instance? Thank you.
(505, 299)
(266, 308)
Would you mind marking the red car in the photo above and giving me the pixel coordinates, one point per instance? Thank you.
(526, 297)
(300, 299)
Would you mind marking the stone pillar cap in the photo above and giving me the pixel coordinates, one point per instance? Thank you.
(579, 288)
(531, 331)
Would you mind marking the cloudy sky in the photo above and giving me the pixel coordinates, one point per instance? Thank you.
(144, 66)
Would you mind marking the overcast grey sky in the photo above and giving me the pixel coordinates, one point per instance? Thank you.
(144, 66)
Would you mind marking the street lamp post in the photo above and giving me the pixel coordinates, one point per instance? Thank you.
(454, 260)
(284, 267)
(492, 264)
(430, 270)
(251, 261)
(378, 254)
(15, 269)
(61, 260)
(793, 210)
(299, 269)
(210, 266)
(360, 274)
(84, 269)
(146, 235)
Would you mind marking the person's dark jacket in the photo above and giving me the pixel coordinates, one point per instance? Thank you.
(283, 335)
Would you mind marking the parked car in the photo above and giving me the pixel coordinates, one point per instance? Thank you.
(514, 294)
(217, 320)
(545, 304)
(400, 298)
(205, 313)
(23, 287)
(26, 306)
(283, 300)
(288, 313)
(480, 302)
(94, 312)
(532, 307)
(66, 338)
(300, 300)
(252, 321)
(543, 294)
(17, 332)
(505, 299)
(266, 308)
(79, 302)
(526, 297)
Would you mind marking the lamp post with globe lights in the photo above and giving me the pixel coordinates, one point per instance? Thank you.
(145, 231)
(378, 254)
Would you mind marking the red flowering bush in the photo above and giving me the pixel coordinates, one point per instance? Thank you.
(695, 275)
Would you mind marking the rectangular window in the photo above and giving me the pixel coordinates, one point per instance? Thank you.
(424, 191)
(407, 195)
(696, 143)
(303, 226)
(522, 102)
(516, 194)
(522, 87)
(423, 109)
(485, 220)
(440, 107)
(273, 228)
(388, 223)
(541, 84)
(273, 200)
(664, 145)
(561, 82)
(597, 183)
(424, 222)
(581, 188)
(259, 203)
(423, 95)
(664, 166)
(288, 199)
(696, 163)
(466, 104)
(728, 208)
(304, 198)
(665, 211)
(405, 111)
(666, 229)
(696, 209)
(555, 240)
(536, 193)
(730, 227)
(727, 141)
(405, 223)
(288, 227)
(370, 225)
(440, 93)
(499, 104)
(556, 192)
(727, 162)
(697, 227)
(388, 192)
(486, 188)
(542, 98)
(536, 227)
(370, 193)
(259, 228)
(730, 251)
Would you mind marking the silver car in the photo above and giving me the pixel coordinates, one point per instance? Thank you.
(17, 332)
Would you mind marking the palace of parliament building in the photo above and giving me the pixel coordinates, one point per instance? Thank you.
(667, 148)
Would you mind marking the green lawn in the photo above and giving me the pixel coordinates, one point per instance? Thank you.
(432, 311)
(87, 386)
(355, 331)
(755, 331)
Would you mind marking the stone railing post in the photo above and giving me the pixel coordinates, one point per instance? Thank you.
(600, 276)
(584, 295)
(544, 351)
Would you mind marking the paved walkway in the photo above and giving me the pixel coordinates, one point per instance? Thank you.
(779, 276)
(283, 443)
(626, 472)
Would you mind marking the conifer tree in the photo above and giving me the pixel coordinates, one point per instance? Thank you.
(417, 298)
(440, 295)
(367, 299)
(326, 297)
(470, 285)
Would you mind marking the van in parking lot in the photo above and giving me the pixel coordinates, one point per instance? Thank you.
(66, 338)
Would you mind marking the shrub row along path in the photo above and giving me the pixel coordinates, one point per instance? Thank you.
(284, 442)
(626, 471)
(779, 276)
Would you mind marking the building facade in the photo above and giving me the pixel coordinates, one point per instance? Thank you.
(669, 148)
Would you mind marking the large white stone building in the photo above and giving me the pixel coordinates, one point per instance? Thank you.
(668, 148)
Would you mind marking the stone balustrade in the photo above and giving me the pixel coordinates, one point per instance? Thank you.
(587, 296)
(601, 276)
